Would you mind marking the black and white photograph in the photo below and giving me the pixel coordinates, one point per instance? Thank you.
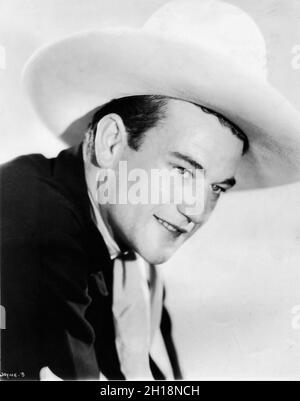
(150, 192)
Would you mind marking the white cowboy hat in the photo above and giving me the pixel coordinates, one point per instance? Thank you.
(202, 51)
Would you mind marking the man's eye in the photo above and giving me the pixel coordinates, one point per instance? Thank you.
(217, 189)
(184, 172)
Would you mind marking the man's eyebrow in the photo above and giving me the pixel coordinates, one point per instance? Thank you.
(231, 182)
(187, 159)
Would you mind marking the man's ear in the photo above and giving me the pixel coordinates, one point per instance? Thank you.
(110, 140)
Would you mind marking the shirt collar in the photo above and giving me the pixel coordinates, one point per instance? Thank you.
(112, 246)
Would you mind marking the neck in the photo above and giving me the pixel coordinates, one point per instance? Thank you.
(91, 173)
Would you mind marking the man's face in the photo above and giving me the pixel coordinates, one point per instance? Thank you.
(186, 140)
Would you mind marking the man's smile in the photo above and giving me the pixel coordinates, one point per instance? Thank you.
(171, 227)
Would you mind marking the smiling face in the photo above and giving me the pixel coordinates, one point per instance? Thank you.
(187, 139)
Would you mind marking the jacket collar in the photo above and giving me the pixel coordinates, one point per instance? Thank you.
(69, 172)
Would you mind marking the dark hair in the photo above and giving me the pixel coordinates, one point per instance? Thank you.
(141, 113)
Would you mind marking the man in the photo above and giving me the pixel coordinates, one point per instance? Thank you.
(81, 291)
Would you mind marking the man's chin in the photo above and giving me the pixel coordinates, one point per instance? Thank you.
(159, 257)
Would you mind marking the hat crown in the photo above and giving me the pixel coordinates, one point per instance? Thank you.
(215, 25)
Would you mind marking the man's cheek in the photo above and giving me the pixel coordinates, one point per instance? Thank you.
(210, 207)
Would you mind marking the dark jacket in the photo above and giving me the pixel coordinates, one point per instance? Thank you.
(54, 264)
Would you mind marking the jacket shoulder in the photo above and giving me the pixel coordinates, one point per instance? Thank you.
(24, 166)
(31, 199)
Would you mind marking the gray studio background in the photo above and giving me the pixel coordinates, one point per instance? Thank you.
(233, 288)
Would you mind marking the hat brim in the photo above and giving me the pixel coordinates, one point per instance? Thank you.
(69, 79)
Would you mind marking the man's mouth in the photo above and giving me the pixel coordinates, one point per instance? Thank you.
(171, 227)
